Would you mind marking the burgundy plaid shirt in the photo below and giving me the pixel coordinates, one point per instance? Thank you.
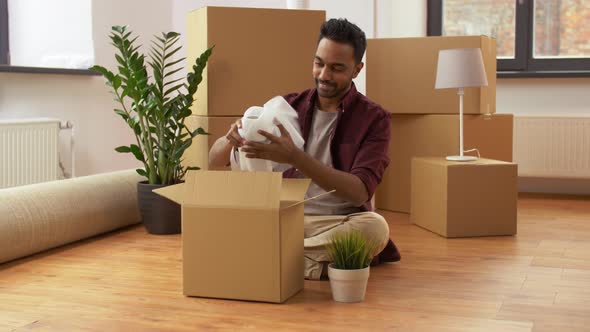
(361, 137)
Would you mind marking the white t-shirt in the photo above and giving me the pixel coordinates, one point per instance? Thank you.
(318, 147)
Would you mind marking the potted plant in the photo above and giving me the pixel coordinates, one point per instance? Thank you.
(155, 108)
(351, 254)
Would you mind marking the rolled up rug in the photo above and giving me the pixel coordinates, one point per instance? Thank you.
(42, 216)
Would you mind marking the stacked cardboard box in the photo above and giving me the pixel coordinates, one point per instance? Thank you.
(437, 135)
(258, 54)
(401, 74)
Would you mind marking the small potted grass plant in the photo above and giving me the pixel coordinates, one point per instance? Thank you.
(351, 254)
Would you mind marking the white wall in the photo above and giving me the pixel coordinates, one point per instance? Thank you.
(407, 19)
(549, 96)
(85, 99)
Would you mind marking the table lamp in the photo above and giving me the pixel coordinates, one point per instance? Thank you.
(460, 68)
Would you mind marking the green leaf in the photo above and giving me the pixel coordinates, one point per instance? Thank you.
(123, 149)
(162, 40)
(122, 113)
(172, 34)
(193, 168)
(120, 60)
(142, 172)
(137, 129)
(137, 152)
(199, 131)
(102, 70)
(116, 82)
(185, 145)
(158, 46)
(119, 28)
(172, 89)
(172, 52)
(175, 80)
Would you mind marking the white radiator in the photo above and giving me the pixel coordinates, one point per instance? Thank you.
(28, 151)
(552, 146)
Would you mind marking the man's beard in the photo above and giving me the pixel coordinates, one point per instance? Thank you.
(333, 92)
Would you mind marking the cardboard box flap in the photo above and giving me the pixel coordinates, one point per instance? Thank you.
(293, 190)
(174, 193)
(233, 189)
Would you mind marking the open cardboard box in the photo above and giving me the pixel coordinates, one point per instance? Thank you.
(242, 234)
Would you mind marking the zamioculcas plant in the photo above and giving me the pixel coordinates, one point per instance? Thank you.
(155, 106)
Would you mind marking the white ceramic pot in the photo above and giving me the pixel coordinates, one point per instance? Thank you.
(348, 285)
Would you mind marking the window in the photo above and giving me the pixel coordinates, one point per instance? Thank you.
(3, 32)
(533, 37)
(46, 34)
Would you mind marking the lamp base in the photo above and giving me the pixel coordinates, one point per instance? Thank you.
(461, 158)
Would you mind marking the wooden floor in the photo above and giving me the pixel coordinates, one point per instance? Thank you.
(129, 281)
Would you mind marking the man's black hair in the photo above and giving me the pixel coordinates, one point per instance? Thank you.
(342, 31)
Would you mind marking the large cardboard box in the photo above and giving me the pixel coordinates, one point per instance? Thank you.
(198, 153)
(437, 136)
(460, 199)
(401, 73)
(242, 234)
(258, 54)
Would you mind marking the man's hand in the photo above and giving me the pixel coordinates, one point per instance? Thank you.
(233, 136)
(281, 149)
(220, 151)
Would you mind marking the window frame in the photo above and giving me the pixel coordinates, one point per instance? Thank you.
(4, 42)
(524, 64)
(5, 53)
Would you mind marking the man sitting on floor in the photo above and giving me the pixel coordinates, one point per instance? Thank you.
(346, 143)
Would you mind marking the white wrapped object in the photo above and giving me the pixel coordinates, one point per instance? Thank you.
(266, 118)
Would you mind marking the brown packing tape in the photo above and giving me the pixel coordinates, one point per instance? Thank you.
(311, 198)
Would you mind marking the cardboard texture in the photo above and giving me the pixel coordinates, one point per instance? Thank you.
(242, 234)
(401, 73)
(437, 136)
(462, 199)
(262, 53)
(198, 153)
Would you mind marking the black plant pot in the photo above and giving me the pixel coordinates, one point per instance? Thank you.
(159, 214)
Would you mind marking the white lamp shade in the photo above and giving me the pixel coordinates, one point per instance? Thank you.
(297, 4)
(460, 68)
